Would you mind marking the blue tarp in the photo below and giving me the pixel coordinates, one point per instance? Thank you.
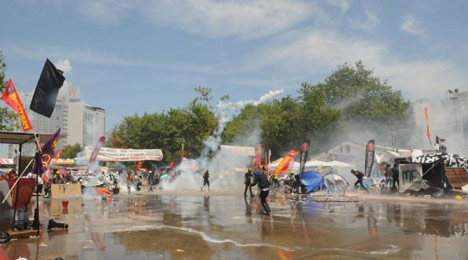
(312, 181)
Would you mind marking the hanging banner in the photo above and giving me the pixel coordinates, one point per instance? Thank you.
(370, 157)
(25, 188)
(427, 126)
(238, 150)
(303, 158)
(95, 152)
(284, 164)
(126, 155)
(258, 157)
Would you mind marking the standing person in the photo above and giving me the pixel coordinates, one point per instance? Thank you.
(396, 178)
(264, 186)
(129, 181)
(359, 175)
(150, 180)
(206, 180)
(248, 181)
(276, 183)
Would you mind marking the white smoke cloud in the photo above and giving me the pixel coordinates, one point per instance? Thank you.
(222, 165)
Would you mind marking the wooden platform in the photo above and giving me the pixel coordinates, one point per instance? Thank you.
(22, 233)
(458, 177)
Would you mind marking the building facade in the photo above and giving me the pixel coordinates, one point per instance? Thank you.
(80, 123)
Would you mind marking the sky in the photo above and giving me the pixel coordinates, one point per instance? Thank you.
(131, 57)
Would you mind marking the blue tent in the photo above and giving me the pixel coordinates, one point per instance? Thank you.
(312, 181)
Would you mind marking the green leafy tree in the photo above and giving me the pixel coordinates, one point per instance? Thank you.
(71, 151)
(8, 118)
(168, 130)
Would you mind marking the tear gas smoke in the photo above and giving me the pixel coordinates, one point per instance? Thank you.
(445, 119)
(222, 165)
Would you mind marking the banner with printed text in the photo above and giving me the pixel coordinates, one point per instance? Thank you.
(126, 155)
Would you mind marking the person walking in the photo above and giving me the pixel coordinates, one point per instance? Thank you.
(359, 175)
(248, 182)
(264, 185)
(150, 180)
(206, 181)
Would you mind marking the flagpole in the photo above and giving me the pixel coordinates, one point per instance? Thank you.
(17, 189)
(36, 212)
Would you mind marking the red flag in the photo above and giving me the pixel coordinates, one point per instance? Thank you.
(172, 164)
(283, 165)
(427, 126)
(57, 156)
(45, 178)
(258, 158)
(182, 153)
(11, 98)
(138, 165)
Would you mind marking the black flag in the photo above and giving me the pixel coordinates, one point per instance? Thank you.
(439, 140)
(45, 95)
(370, 157)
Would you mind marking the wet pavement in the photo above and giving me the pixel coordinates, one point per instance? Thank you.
(208, 226)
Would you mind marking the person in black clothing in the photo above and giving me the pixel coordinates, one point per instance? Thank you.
(206, 180)
(264, 186)
(359, 175)
(396, 178)
(247, 182)
(150, 180)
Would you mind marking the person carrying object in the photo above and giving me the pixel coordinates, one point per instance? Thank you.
(264, 185)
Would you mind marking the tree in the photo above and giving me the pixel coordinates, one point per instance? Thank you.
(365, 105)
(349, 102)
(359, 95)
(8, 118)
(168, 130)
(71, 151)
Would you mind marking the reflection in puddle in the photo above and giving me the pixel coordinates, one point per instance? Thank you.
(205, 227)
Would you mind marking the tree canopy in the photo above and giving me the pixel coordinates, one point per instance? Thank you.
(71, 151)
(321, 113)
(168, 130)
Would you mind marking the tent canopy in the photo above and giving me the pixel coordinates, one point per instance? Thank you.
(22, 138)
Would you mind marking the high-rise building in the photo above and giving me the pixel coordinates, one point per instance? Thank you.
(81, 123)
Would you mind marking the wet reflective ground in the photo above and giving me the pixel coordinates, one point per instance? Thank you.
(230, 227)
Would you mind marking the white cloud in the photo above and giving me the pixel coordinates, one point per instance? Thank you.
(65, 66)
(250, 18)
(106, 11)
(412, 26)
(244, 18)
(342, 4)
(88, 56)
(368, 23)
(313, 51)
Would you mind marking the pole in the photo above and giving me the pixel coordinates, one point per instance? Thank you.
(17, 188)
(14, 185)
